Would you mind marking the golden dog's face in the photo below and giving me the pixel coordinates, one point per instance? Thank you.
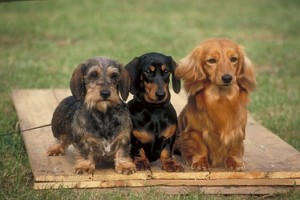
(220, 62)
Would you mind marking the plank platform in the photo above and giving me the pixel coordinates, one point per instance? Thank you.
(272, 165)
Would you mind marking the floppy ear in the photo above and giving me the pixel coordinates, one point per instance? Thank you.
(77, 82)
(246, 75)
(176, 84)
(190, 69)
(124, 84)
(133, 70)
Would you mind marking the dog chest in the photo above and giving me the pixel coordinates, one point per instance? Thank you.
(154, 119)
(101, 125)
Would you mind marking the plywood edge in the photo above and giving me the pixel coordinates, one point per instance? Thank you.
(254, 175)
(186, 176)
(100, 176)
(173, 183)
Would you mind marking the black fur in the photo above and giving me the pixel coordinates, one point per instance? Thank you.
(154, 119)
(152, 115)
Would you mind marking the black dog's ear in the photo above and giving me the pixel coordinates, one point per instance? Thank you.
(176, 83)
(77, 82)
(124, 85)
(133, 70)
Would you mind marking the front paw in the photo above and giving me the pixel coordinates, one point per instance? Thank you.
(170, 165)
(233, 163)
(83, 166)
(56, 150)
(126, 168)
(201, 164)
(141, 163)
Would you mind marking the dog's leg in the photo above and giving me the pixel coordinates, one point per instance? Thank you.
(60, 148)
(234, 160)
(123, 162)
(85, 165)
(168, 163)
(194, 150)
(141, 161)
(234, 163)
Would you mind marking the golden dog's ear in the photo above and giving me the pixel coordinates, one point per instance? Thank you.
(176, 83)
(246, 78)
(133, 70)
(124, 85)
(77, 85)
(190, 69)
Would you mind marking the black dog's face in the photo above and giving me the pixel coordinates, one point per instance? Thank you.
(150, 76)
(156, 77)
(97, 82)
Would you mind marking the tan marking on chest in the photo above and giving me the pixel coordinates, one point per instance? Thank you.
(169, 131)
(143, 136)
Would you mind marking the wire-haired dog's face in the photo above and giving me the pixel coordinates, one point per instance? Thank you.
(98, 81)
(101, 86)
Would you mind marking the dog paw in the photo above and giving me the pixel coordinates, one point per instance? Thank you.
(170, 165)
(126, 168)
(56, 150)
(232, 163)
(201, 165)
(83, 166)
(141, 163)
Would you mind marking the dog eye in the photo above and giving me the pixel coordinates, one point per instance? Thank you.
(166, 72)
(148, 72)
(114, 76)
(93, 75)
(233, 59)
(212, 60)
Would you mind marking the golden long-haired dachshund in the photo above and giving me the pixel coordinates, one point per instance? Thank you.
(218, 78)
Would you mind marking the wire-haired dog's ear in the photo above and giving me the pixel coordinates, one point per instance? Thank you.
(176, 84)
(246, 75)
(124, 85)
(77, 82)
(133, 70)
(190, 69)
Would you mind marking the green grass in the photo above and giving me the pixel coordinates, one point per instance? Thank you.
(41, 42)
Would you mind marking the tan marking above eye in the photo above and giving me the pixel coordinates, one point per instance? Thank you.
(163, 67)
(112, 69)
(94, 71)
(152, 68)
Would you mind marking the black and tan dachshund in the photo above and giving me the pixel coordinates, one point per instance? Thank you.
(95, 119)
(153, 116)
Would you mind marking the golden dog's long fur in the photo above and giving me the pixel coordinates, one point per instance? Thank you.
(218, 78)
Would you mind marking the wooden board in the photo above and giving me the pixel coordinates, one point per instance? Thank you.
(272, 165)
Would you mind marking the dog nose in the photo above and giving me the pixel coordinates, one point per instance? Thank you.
(160, 95)
(227, 78)
(105, 94)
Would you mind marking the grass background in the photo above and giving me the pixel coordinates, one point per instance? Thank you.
(41, 42)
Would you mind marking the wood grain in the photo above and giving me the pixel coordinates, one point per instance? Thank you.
(270, 162)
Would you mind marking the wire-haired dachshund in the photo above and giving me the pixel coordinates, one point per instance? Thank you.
(153, 116)
(95, 119)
